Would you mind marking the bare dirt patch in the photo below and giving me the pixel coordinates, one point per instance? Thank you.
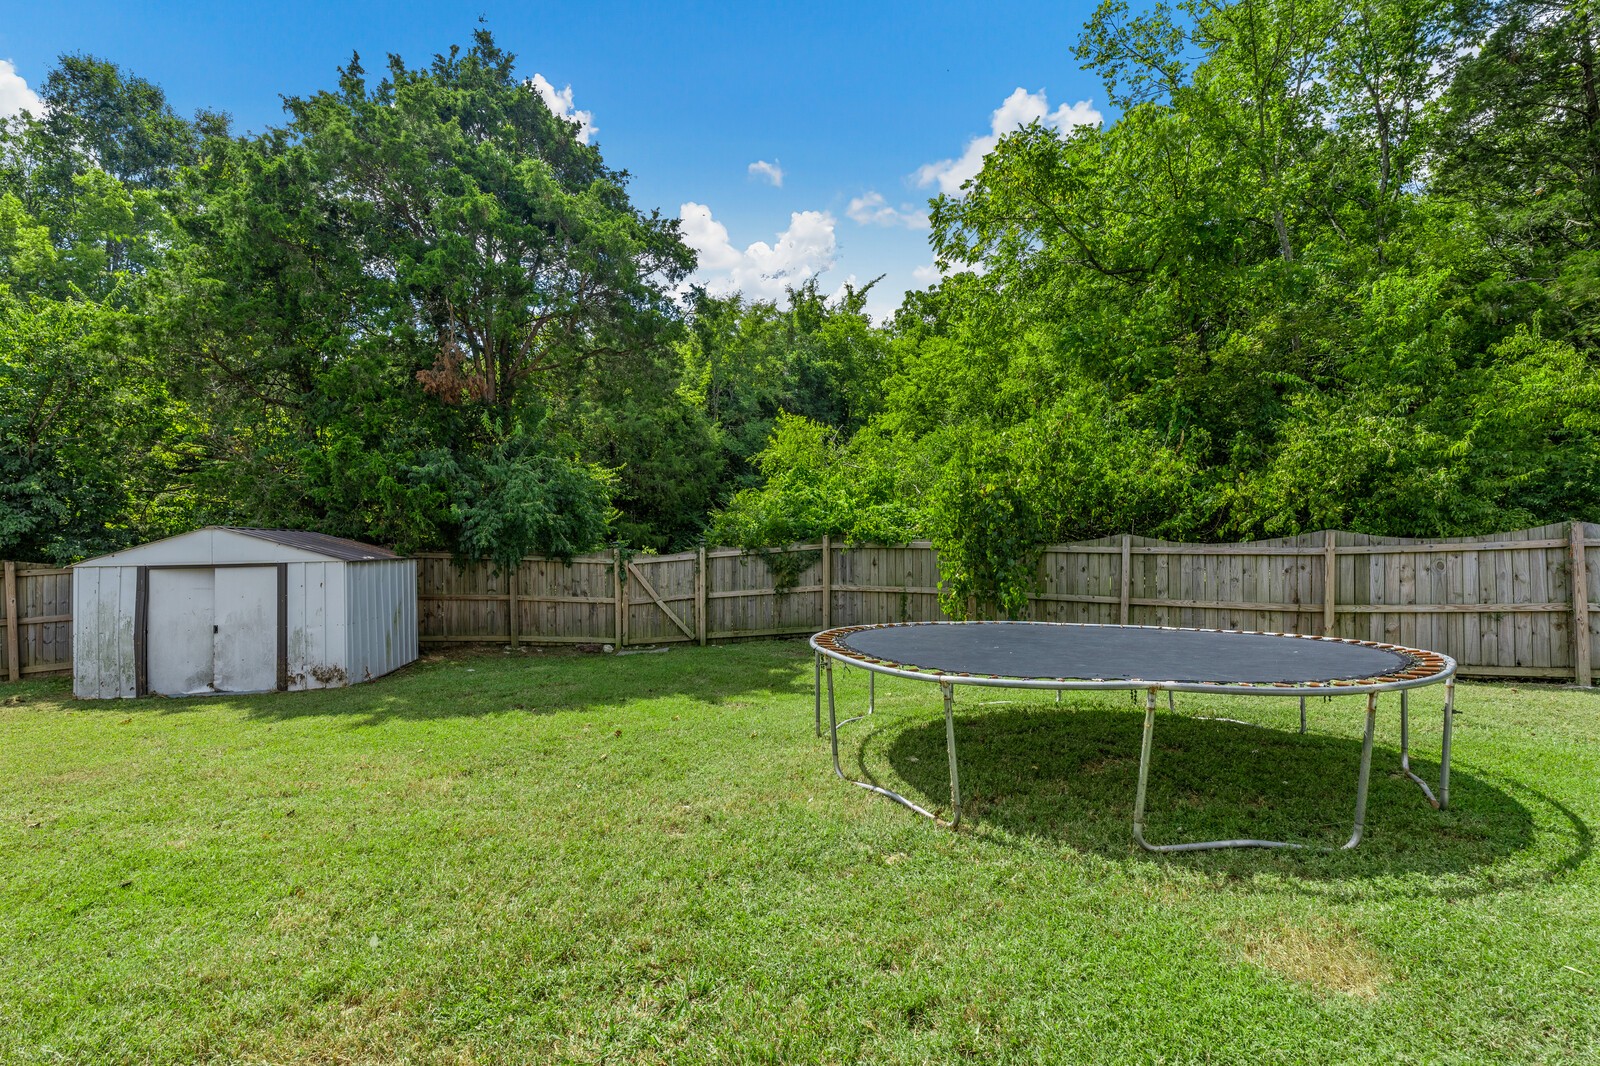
(1326, 956)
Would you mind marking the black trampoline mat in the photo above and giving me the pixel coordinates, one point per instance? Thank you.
(1120, 653)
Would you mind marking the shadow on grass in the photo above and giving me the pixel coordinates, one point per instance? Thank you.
(1068, 776)
(485, 683)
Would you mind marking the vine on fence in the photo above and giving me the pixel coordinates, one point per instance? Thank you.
(786, 566)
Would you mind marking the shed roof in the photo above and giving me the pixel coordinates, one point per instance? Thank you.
(236, 546)
(349, 551)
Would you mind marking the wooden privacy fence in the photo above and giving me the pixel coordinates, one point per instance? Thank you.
(35, 620)
(1503, 605)
(691, 596)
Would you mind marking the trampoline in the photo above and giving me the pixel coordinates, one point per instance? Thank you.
(1076, 656)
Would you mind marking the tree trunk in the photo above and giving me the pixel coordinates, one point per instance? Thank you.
(1591, 110)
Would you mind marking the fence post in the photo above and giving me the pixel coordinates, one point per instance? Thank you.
(511, 602)
(827, 581)
(1330, 582)
(700, 598)
(622, 597)
(1582, 668)
(13, 645)
(1127, 554)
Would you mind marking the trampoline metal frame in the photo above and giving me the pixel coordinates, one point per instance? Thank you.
(826, 654)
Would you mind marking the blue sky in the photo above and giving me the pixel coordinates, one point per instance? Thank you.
(866, 110)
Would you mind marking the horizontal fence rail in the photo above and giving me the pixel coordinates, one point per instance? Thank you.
(1502, 605)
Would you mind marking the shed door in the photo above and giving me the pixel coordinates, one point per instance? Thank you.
(246, 644)
(181, 641)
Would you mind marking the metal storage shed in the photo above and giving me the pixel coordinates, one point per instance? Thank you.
(240, 610)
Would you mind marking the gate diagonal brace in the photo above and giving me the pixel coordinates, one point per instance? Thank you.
(668, 611)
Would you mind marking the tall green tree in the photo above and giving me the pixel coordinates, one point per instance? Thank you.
(93, 444)
(409, 294)
(745, 363)
(1520, 145)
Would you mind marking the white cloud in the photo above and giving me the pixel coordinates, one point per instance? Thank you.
(1019, 109)
(708, 237)
(927, 274)
(560, 101)
(873, 210)
(15, 94)
(770, 172)
(803, 251)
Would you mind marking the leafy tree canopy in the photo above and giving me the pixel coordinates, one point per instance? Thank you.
(1330, 267)
(1333, 264)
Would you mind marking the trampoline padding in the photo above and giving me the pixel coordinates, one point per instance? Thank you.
(1117, 653)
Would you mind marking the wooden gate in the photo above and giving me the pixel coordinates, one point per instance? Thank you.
(661, 597)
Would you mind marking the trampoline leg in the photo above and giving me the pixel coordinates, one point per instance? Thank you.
(1362, 777)
(1444, 758)
(833, 734)
(1438, 801)
(1144, 767)
(1172, 704)
(950, 745)
(1405, 727)
(817, 685)
(833, 719)
(1366, 773)
(1302, 716)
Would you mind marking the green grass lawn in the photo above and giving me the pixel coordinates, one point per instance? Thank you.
(550, 857)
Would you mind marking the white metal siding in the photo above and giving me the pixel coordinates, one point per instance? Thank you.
(316, 630)
(103, 611)
(382, 632)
